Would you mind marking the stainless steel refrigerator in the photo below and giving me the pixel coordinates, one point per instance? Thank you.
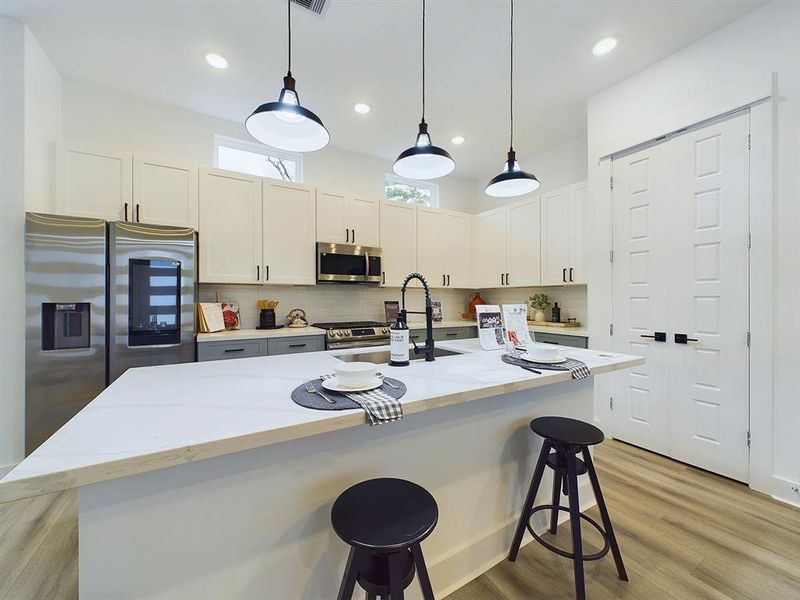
(101, 298)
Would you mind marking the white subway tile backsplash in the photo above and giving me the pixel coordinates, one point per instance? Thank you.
(572, 299)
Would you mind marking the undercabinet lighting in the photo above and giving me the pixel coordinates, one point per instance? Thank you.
(216, 61)
(361, 108)
(604, 46)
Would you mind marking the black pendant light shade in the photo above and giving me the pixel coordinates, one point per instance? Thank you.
(512, 180)
(423, 160)
(286, 124)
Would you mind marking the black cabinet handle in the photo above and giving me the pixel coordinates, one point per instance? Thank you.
(383, 277)
(451, 334)
(258, 273)
(138, 220)
(502, 278)
(234, 349)
(682, 338)
(354, 235)
(266, 272)
(448, 280)
(347, 233)
(547, 342)
(444, 280)
(297, 345)
(564, 275)
(126, 211)
(659, 336)
(570, 274)
(508, 282)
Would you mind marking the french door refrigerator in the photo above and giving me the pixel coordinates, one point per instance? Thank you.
(100, 298)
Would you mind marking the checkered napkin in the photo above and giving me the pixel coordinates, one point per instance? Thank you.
(578, 368)
(380, 407)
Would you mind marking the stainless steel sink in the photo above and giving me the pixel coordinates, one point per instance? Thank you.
(383, 356)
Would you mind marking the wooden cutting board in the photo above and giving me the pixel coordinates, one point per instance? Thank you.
(551, 324)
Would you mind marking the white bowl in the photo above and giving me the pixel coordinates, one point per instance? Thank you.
(355, 374)
(543, 351)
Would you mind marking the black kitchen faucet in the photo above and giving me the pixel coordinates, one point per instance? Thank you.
(428, 349)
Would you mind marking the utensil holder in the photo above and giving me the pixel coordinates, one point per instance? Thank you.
(266, 318)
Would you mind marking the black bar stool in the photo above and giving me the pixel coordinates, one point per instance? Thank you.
(384, 520)
(568, 438)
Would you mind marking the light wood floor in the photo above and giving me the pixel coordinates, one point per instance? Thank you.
(684, 533)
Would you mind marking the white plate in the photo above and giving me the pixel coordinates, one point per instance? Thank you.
(333, 385)
(544, 361)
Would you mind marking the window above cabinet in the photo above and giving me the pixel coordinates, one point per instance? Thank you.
(252, 158)
(421, 193)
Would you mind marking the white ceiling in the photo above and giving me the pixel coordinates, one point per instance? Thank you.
(369, 51)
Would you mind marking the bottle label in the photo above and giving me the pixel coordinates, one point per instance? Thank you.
(398, 349)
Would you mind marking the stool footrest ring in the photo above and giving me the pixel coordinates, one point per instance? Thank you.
(571, 555)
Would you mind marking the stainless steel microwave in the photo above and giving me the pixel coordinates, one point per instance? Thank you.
(348, 263)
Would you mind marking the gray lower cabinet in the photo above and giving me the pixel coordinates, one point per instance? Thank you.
(576, 341)
(445, 333)
(224, 350)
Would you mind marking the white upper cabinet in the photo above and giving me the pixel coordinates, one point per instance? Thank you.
(508, 245)
(164, 193)
(563, 215)
(347, 219)
(444, 247)
(523, 239)
(398, 234)
(230, 234)
(289, 233)
(93, 183)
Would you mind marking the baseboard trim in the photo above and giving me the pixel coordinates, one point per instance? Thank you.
(491, 547)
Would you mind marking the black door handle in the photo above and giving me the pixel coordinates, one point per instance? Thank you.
(570, 274)
(682, 338)
(659, 336)
(564, 275)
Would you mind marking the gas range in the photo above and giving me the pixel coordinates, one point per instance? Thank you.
(354, 334)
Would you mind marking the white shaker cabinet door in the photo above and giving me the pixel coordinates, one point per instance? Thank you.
(229, 227)
(556, 237)
(289, 233)
(432, 246)
(93, 183)
(164, 193)
(524, 251)
(332, 224)
(364, 220)
(458, 248)
(579, 211)
(490, 248)
(398, 234)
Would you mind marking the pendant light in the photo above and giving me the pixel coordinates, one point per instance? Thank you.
(512, 180)
(423, 160)
(286, 124)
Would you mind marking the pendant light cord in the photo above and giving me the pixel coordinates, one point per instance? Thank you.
(423, 61)
(289, 18)
(511, 78)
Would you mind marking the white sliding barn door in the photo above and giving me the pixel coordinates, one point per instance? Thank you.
(681, 267)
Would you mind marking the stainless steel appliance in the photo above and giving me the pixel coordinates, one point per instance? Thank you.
(354, 334)
(100, 298)
(151, 296)
(348, 263)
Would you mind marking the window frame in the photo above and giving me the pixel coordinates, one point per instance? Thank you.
(391, 178)
(258, 148)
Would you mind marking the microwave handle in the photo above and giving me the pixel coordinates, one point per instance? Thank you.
(366, 265)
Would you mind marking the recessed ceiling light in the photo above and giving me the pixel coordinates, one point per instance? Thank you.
(361, 108)
(216, 61)
(604, 46)
(459, 139)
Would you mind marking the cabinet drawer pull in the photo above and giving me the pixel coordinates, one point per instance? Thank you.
(297, 345)
(564, 275)
(451, 334)
(234, 349)
(570, 274)
(547, 342)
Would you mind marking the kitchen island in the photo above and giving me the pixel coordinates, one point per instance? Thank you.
(205, 480)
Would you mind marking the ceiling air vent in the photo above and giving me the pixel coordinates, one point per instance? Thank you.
(318, 7)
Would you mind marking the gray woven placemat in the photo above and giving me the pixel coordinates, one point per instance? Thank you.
(570, 364)
(302, 398)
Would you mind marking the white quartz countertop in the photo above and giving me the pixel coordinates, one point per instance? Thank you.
(156, 417)
(254, 334)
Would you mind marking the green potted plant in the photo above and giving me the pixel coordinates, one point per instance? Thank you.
(538, 303)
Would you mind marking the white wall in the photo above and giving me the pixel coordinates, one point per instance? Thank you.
(99, 117)
(12, 286)
(42, 122)
(728, 69)
(555, 168)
